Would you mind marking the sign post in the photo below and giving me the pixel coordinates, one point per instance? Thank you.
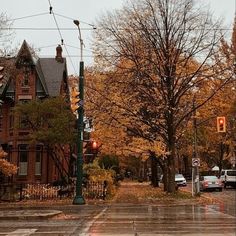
(195, 173)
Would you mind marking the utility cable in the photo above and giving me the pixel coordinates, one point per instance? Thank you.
(24, 17)
(62, 41)
(100, 28)
(42, 28)
(94, 27)
(78, 48)
(51, 12)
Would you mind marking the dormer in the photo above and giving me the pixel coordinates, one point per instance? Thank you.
(26, 78)
(24, 57)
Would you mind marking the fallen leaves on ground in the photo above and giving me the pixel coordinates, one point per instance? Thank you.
(127, 192)
(144, 193)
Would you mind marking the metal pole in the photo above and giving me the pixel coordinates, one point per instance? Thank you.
(79, 199)
(196, 168)
(192, 182)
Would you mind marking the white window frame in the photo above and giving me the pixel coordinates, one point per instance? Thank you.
(22, 154)
(38, 160)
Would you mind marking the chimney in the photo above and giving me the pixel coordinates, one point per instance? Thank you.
(59, 57)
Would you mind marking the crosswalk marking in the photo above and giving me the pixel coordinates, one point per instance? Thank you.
(21, 232)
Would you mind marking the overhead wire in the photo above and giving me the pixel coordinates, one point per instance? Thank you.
(24, 17)
(87, 56)
(78, 48)
(61, 29)
(42, 28)
(94, 27)
(50, 28)
(84, 28)
(62, 41)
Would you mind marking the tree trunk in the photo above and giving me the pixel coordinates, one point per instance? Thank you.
(171, 186)
(154, 177)
(165, 178)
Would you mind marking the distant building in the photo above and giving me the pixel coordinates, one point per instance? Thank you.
(25, 78)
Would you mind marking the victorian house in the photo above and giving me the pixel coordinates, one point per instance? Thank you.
(24, 78)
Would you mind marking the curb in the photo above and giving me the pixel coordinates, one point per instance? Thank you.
(28, 214)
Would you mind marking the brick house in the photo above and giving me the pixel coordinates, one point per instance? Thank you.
(25, 78)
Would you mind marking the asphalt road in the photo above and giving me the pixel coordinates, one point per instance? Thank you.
(226, 199)
(127, 219)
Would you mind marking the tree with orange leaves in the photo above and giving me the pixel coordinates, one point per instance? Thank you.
(6, 168)
(159, 55)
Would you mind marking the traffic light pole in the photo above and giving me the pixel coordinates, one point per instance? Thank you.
(79, 199)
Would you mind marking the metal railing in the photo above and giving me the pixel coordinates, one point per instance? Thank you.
(18, 192)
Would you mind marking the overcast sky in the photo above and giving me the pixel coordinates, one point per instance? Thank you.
(87, 11)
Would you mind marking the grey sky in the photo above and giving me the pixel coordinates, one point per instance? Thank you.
(86, 11)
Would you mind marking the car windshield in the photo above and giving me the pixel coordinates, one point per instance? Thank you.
(179, 176)
(210, 178)
(231, 172)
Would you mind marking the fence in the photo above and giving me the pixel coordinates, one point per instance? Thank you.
(95, 190)
(12, 192)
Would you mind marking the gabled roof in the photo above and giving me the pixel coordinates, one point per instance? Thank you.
(7, 65)
(25, 53)
(50, 71)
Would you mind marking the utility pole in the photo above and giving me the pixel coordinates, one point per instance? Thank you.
(195, 160)
(79, 199)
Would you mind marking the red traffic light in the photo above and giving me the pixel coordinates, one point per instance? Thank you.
(221, 124)
(94, 145)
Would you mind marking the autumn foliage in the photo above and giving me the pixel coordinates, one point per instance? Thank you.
(6, 167)
(156, 70)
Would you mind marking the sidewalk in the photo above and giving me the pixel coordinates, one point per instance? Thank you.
(144, 193)
(127, 193)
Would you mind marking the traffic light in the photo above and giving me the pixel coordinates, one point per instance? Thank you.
(91, 151)
(94, 145)
(221, 124)
(94, 148)
(74, 99)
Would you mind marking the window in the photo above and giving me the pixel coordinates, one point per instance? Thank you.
(11, 121)
(1, 121)
(10, 153)
(38, 160)
(26, 77)
(23, 159)
(24, 122)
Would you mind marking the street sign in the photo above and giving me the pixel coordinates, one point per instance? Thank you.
(233, 160)
(195, 162)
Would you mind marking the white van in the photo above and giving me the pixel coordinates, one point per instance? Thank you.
(228, 177)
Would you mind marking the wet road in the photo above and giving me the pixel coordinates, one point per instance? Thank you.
(226, 199)
(127, 219)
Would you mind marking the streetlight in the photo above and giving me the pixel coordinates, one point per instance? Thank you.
(79, 199)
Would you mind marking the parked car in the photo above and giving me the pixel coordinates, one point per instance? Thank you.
(180, 180)
(210, 182)
(228, 177)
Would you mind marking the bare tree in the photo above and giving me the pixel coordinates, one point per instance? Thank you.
(6, 35)
(161, 53)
